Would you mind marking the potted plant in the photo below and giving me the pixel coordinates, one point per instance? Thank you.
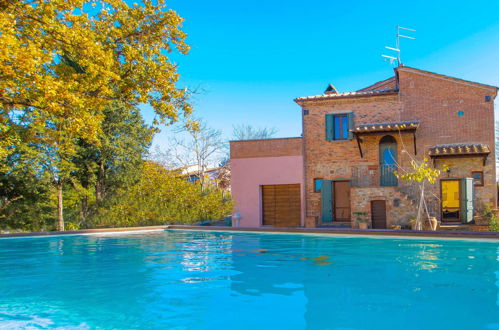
(489, 216)
(361, 219)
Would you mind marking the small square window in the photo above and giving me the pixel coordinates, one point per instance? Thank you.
(317, 185)
(460, 113)
(305, 112)
(477, 178)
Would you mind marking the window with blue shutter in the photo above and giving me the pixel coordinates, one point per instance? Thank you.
(338, 126)
(317, 185)
(329, 127)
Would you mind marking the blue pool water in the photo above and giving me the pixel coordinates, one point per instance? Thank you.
(206, 280)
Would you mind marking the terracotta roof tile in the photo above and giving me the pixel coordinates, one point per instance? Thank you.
(458, 149)
(386, 127)
(348, 94)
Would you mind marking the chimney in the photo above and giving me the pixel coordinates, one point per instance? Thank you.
(330, 90)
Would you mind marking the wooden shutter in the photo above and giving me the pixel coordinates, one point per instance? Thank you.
(327, 201)
(466, 200)
(329, 127)
(350, 125)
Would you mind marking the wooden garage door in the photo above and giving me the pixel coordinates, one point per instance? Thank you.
(281, 205)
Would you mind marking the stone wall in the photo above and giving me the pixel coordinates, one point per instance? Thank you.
(399, 209)
(462, 168)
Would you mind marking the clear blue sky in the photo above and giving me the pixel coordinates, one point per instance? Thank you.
(252, 58)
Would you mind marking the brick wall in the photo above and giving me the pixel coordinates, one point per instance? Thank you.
(435, 100)
(334, 160)
(266, 148)
(432, 99)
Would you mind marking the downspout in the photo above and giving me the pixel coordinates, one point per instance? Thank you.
(304, 210)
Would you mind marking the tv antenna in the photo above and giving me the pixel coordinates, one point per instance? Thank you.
(393, 59)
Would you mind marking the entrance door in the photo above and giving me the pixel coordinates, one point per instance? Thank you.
(378, 214)
(342, 201)
(451, 204)
(388, 161)
(281, 205)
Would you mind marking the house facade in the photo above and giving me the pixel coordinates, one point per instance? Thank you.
(353, 142)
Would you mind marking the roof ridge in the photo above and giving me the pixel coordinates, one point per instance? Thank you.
(439, 75)
(378, 84)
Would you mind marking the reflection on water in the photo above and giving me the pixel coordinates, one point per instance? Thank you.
(202, 280)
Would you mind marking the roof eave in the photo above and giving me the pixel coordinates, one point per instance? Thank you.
(336, 96)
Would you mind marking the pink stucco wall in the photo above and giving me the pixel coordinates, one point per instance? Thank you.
(248, 174)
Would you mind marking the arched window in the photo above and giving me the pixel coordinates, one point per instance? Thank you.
(388, 161)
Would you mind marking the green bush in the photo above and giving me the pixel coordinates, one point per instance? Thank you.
(161, 197)
(489, 215)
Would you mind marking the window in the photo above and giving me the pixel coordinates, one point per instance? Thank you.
(460, 113)
(317, 185)
(477, 178)
(338, 125)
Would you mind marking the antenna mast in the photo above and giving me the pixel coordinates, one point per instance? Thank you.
(397, 59)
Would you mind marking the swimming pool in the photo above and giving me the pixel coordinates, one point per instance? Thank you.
(209, 280)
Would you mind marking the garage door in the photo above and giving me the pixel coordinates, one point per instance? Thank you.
(281, 205)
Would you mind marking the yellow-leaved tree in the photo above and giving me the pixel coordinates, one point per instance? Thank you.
(63, 61)
(420, 174)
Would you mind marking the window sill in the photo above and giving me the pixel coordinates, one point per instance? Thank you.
(342, 140)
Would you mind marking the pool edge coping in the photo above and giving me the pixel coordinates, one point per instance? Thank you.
(82, 231)
(348, 231)
(315, 231)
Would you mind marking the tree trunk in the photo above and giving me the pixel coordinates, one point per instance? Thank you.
(99, 185)
(419, 220)
(84, 208)
(60, 217)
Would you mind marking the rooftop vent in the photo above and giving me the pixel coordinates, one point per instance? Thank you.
(330, 90)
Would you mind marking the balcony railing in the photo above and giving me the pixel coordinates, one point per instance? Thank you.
(365, 176)
(373, 176)
(387, 176)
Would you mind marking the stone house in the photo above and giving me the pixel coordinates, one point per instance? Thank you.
(342, 167)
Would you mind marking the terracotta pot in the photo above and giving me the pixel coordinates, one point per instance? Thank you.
(480, 221)
(362, 225)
